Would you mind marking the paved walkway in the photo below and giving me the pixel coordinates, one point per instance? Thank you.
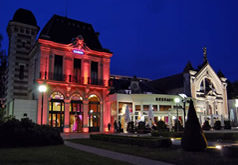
(115, 155)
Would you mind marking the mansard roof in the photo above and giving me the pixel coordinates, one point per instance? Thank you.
(63, 30)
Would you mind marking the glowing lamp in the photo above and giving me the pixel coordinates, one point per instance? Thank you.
(42, 88)
(78, 51)
(176, 100)
(219, 147)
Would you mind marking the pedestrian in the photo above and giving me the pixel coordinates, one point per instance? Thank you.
(109, 126)
(115, 126)
(119, 126)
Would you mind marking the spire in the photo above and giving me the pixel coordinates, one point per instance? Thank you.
(204, 54)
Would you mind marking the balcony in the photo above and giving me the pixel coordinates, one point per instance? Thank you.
(71, 79)
(94, 81)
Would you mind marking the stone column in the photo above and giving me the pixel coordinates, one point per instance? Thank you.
(66, 116)
(102, 123)
(85, 116)
(86, 70)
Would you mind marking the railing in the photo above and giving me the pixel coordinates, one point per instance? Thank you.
(94, 81)
(70, 78)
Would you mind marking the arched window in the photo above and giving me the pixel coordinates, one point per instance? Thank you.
(94, 113)
(56, 110)
(76, 113)
(206, 86)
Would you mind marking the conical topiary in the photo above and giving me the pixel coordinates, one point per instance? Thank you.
(193, 138)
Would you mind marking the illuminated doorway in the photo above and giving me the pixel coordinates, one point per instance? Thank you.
(94, 113)
(76, 114)
(56, 110)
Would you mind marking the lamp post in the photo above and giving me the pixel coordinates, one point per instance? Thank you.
(184, 99)
(42, 89)
(177, 101)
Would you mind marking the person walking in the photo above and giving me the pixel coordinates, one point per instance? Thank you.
(115, 126)
(109, 127)
(119, 126)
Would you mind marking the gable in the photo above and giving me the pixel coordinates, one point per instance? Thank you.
(208, 72)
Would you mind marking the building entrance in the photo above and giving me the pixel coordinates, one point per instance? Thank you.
(76, 116)
(56, 113)
(94, 114)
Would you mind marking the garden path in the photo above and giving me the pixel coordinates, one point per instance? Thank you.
(115, 155)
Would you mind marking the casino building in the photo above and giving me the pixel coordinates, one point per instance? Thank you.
(70, 62)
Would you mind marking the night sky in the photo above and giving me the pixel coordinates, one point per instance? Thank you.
(149, 38)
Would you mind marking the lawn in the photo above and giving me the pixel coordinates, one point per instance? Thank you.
(173, 154)
(52, 155)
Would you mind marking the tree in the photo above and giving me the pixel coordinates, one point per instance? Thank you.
(161, 126)
(193, 138)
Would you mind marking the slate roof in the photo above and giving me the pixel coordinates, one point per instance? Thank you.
(168, 83)
(119, 85)
(62, 30)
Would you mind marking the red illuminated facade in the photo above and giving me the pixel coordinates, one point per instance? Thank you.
(76, 78)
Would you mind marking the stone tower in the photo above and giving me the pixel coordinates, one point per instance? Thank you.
(22, 31)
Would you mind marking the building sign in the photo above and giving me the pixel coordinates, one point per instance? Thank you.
(163, 99)
(77, 51)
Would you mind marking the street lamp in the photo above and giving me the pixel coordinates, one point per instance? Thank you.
(42, 89)
(184, 99)
(177, 101)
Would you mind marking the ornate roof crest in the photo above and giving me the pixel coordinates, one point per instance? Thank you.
(78, 42)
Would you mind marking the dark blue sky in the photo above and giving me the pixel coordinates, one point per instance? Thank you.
(149, 38)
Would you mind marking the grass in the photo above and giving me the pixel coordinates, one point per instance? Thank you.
(173, 154)
(52, 155)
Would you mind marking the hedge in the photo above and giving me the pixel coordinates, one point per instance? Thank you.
(209, 136)
(222, 136)
(139, 141)
(167, 134)
(15, 133)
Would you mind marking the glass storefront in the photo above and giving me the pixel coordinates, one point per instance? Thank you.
(56, 111)
(94, 113)
(76, 116)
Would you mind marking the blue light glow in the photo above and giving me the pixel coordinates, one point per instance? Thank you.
(78, 51)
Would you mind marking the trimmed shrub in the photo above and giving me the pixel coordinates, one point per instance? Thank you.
(178, 126)
(217, 125)
(15, 133)
(161, 126)
(206, 126)
(167, 134)
(142, 128)
(193, 138)
(227, 124)
(130, 127)
(228, 136)
(139, 141)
